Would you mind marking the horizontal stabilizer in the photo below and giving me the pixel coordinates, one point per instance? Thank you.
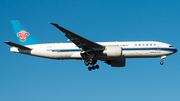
(17, 45)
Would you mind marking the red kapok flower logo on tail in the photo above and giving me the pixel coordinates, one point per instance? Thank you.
(22, 35)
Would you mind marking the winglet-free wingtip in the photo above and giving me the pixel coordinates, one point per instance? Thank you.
(6, 41)
(53, 23)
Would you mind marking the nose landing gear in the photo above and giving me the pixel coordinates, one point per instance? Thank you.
(162, 58)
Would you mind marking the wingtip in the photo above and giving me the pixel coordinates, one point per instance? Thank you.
(52, 23)
(6, 41)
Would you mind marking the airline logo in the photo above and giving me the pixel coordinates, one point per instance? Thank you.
(22, 35)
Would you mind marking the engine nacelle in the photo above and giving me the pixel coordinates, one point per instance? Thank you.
(117, 63)
(113, 51)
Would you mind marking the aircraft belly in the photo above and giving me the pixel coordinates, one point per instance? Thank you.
(42, 53)
(67, 55)
(135, 53)
(76, 55)
(63, 54)
(146, 54)
(55, 55)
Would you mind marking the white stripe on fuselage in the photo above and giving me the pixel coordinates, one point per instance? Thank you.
(136, 49)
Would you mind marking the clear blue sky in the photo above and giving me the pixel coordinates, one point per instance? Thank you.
(28, 78)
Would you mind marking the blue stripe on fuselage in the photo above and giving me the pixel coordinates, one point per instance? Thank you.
(124, 49)
(150, 49)
(64, 50)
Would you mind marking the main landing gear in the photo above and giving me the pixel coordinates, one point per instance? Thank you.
(91, 62)
(93, 67)
(162, 58)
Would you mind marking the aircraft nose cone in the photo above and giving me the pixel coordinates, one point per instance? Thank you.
(175, 50)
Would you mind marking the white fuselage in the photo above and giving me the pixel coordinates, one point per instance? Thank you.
(136, 49)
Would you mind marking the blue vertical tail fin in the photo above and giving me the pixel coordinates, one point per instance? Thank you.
(24, 37)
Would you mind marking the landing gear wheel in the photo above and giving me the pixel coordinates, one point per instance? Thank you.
(89, 68)
(93, 67)
(97, 66)
(90, 62)
(161, 63)
(86, 63)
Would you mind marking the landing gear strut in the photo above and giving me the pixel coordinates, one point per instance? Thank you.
(162, 58)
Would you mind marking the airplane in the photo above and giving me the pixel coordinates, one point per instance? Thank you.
(112, 53)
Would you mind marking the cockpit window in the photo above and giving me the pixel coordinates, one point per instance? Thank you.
(171, 46)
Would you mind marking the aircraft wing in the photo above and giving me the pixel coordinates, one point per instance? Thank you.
(79, 41)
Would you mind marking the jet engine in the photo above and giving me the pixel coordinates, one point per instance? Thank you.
(113, 51)
(117, 63)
